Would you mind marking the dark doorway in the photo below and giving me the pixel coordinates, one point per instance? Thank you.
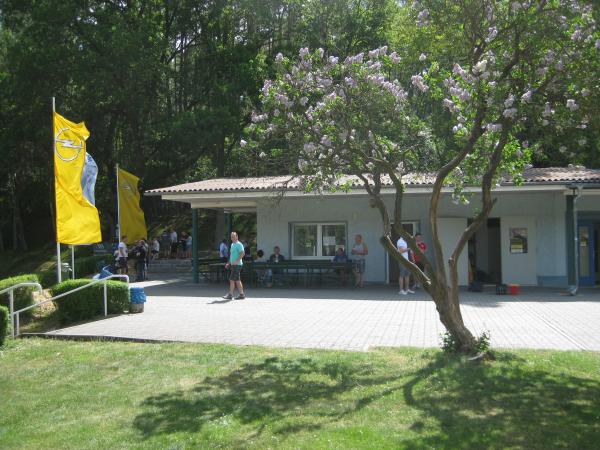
(485, 261)
(410, 227)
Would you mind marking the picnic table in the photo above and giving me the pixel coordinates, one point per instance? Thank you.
(305, 273)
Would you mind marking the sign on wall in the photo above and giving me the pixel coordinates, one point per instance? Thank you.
(518, 240)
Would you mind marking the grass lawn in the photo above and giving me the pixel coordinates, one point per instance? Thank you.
(114, 395)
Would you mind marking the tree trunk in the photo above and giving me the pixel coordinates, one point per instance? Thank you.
(1, 240)
(447, 305)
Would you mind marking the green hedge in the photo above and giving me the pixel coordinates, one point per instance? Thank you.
(90, 265)
(89, 302)
(23, 296)
(87, 265)
(4, 321)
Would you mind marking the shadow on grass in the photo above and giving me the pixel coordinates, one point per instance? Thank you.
(506, 404)
(459, 405)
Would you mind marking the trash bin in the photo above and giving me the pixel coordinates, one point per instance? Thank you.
(138, 298)
(65, 270)
(513, 289)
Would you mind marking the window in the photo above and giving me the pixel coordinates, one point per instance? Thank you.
(317, 240)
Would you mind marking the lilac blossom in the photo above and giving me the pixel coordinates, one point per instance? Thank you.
(417, 80)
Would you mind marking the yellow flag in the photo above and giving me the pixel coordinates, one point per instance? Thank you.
(77, 220)
(133, 224)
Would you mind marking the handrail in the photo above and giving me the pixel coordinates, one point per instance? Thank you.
(16, 314)
(11, 298)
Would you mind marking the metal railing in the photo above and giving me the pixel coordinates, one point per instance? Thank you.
(15, 316)
(11, 298)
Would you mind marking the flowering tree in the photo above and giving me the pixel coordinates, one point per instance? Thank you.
(351, 118)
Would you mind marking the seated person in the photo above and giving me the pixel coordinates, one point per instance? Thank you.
(340, 257)
(275, 275)
(247, 254)
(261, 274)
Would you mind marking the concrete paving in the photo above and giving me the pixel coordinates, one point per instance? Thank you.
(347, 319)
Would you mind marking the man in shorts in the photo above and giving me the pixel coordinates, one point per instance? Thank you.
(236, 255)
(404, 277)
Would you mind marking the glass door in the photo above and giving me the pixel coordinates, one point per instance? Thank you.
(585, 235)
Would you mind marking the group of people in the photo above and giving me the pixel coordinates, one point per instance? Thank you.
(409, 255)
(140, 251)
(360, 251)
(234, 256)
(174, 245)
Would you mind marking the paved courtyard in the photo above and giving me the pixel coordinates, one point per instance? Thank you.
(347, 319)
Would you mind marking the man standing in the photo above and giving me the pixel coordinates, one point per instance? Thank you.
(122, 256)
(423, 247)
(140, 253)
(173, 236)
(236, 254)
(404, 277)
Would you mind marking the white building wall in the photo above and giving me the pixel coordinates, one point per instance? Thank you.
(543, 214)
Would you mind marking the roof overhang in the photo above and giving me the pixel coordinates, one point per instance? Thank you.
(245, 201)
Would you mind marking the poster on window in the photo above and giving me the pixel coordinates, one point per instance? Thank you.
(518, 240)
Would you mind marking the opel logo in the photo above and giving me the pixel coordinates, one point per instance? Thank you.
(63, 147)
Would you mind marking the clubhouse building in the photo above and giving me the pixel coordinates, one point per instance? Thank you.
(545, 232)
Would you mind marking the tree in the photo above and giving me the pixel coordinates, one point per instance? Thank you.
(351, 119)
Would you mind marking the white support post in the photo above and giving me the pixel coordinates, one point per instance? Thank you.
(105, 301)
(18, 325)
(118, 206)
(72, 260)
(11, 299)
(58, 261)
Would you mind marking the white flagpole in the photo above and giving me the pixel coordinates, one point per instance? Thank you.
(73, 261)
(58, 262)
(118, 206)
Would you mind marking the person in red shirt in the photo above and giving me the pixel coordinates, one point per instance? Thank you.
(423, 246)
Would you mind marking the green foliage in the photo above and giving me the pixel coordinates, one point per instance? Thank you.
(89, 303)
(450, 344)
(91, 264)
(47, 277)
(4, 323)
(23, 297)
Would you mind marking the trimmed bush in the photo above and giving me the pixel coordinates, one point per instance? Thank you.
(23, 296)
(4, 321)
(89, 303)
(84, 266)
(47, 278)
(90, 265)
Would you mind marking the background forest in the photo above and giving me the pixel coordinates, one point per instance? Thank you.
(166, 88)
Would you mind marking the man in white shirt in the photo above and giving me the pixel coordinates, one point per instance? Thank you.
(122, 255)
(173, 236)
(404, 277)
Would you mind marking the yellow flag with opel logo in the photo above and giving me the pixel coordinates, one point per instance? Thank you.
(77, 219)
(132, 221)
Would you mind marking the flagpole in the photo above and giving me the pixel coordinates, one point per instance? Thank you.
(72, 261)
(118, 206)
(58, 262)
